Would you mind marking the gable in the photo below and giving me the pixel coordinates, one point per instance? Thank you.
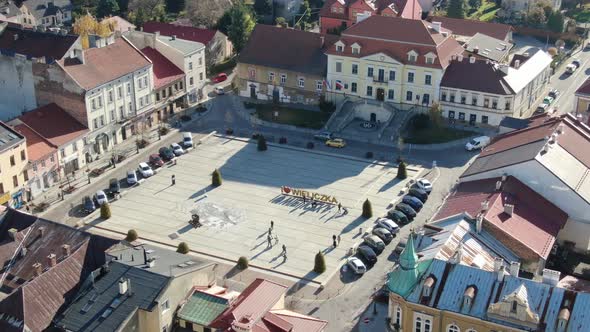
(381, 57)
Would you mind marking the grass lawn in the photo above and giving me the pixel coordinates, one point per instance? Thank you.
(486, 12)
(436, 135)
(581, 15)
(292, 116)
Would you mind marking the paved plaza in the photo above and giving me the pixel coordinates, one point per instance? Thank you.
(237, 215)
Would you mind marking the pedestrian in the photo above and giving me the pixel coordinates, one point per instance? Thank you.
(334, 241)
(269, 241)
(313, 203)
(339, 207)
(173, 179)
(303, 199)
(272, 224)
(338, 239)
(270, 231)
(284, 252)
(360, 230)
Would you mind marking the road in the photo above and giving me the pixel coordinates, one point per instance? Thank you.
(568, 84)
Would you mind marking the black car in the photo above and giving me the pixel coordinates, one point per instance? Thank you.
(397, 216)
(553, 93)
(419, 193)
(166, 153)
(407, 210)
(114, 186)
(367, 254)
(413, 201)
(383, 234)
(88, 205)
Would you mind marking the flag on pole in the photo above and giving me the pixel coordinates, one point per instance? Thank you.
(327, 84)
(339, 85)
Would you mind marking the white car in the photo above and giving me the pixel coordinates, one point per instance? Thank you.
(424, 185)
(187, 140)
(219, 91)
(101, 197)
(356, 265)
(145, 170)
(388, 224)
(177, 149)
(131, 177)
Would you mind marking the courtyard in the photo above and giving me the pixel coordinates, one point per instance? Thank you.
(236, 216)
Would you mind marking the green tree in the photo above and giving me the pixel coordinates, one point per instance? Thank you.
(224, 22)
(555, 22)
(182, 248)
(243, 263)
(474, 4)
(216, 178)
(536, 16)
(131, 235)
(263, 7)
(435, 115)
(105, 211)
(456, 9)
(320, 263)
(262, 143)
(175, 6)
(367, 209)
(281, 21)
(107, 7)
(305, 14)
(123, 5)
(402, 173)
(242, 24)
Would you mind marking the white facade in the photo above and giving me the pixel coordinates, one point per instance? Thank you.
(17, 86)
(475, 107)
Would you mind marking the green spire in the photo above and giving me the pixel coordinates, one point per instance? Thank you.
(408, 258)
(403, 279)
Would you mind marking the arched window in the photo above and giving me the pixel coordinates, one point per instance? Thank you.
(398, 315)
(427, 324)
(418, 324)
(453, 328)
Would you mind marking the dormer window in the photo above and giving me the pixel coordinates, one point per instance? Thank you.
(412, 56)
(429, 58)
(514, 307)
(427, 287)
(334, 9)
(356, 48)
(468, 297)
(562, 319)
(339, 46)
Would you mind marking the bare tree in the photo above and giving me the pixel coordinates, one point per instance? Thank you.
(206, 12)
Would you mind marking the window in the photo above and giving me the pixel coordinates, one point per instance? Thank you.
(412, 58)
(392, 75)
(111, 98)
(43, 163)
(353, 87)
(23, 156)
(12, 162)
(390, 94)
(164, 93)
(26, 175)
(507, 105)
(443, 96)
(128, 89)
(451, 115)
(461, 116)
(398, 315)
(301, 82)
(319, 85)
(200, 61)
(427, 325)
(381, 75)
(474, 100)
(283, 78)
(418, 324)
(428, 79)
(147, 99)
(145, 82)
(130, 107)
(99, 101)
(339, 48)
(95, 123)
(271, 77)
(119, 92)
(463, 99)
(514, 307)
(190, 66)
(370, 72)
(453, 328)
(484, 119)
(471, 330)
(355, 69)
(200, 76)
(338, 67)
(486, 102)
(369, 91)
(180, 83)
(452, 97)
(251, 74)
(165, 305)
(409, 96)
(429, 60)
(102, 120)
(495, 103)
(191, 81)
(74, 147)
(52, 158)
(141, 102)
(122, 112)
(355, 50)
(158, 95)
(410, 77)
(15, 181)
(93, 102)
(1, 188)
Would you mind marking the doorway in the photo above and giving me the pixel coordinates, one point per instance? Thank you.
(380, 94)
(252, 91)
(472, 119)
(275, 95)
(426, 99)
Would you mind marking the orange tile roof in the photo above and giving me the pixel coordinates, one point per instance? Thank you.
(54, 124)
(38, 148)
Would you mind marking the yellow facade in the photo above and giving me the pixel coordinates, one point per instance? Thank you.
(582, 104)
(13, 160)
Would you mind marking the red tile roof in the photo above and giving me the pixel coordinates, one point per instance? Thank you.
(469, 28)
(180, 31)
(35, 43)
(165, 72)
(584, 89)
(534, 223)
(105, 64)
(38, 148)
(301, 323)
(54, 124)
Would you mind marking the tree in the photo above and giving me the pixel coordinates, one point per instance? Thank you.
(182, 248)
(304, 14)
(262, 143)
(320, 263)
(243, 263)
(175, 6)
(536, 16)
(555, 22)
(105, 211)
(242, 24)
(216, 178)
(456, 9)
(107, 7)
(263, 7)
(88, 25)
(367, 209)
(402, 173)
(552, 51)
(123, 5)
(474, 4)
(435, 115)
(131, 235)
(281, 21)
(141, 11)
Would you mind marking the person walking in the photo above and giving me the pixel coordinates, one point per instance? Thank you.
(304, 199)
(338, 239)
(334, 241)
(276, 239)
(284, 253)
(284, 250)
(339, 207)
(173, 179)
(269, 241)
(272, 224)
(270, 231)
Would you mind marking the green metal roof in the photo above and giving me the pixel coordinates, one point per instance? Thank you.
(203, 308)
(403, 279)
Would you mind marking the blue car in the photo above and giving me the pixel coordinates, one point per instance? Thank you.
(88, 205)
(414, 202)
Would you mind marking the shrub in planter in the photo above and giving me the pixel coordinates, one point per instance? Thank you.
(310, 145)
(262, 143)
(105, 211)
(402, 173)
(283, 140)
(185, 118)
(242, 263)
(182, 248)
(131, 235)
(216, 178)
(369, 155)
(320, 263)
(164, 130)
(367, 209)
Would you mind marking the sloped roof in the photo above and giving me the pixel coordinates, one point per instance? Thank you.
(402, 280)
(203, 308)
(519, 78)
(481, 76)
(584, 89)
(54, 124)
(488, 47)
(165, 72)
(301, 323)
(203, 36)
(468, 28)
(121, 24)
(40, 9)
(37, 147)
(35, 44)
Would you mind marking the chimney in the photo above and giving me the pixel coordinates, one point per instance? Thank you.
(471, 59)
(12, 233)
(460, 57)
(498, 185)
(551, 277)
(476, 49)
(497, 263)
(123, 286)
(436, 26)
(509, 209)
(38, 268)
(478, 223)
(458, 255)
(485, 205)
(516, 64)
(322, 39)
(151, 262)
(66, 250)
(23, 251)
(41, 231)
(526, 54)
(52, 260)
(504, 68)
(514, 268)
(504, 177)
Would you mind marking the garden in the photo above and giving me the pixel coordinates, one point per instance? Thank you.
(300, 117)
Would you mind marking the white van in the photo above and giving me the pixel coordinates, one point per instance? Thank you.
(187, 140)
(477, 143)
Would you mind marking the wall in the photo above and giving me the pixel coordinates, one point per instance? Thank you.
(17, 90)
(43, 174)
(582, 104)
(71, 151)
(7, 171)
(494, 115)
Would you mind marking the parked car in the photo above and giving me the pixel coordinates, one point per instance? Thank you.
(131, 177)
(219, 91)
(156, 161)
(477, 143)
(323, 136)
(219, 78)
(177, 149)
(397, 216)
(542, 108)
(375, 243)
(336, 143)
(548, 100)
(366, 253)
(101, 198)
(114, 186)
(424, 184)
(419, 193)
(570, 69)
(553, 93)
(145, 170)
(88, 205)
(414, 202)
(577, 63)
(187, 140)
(383, 234)
(166, 153)
(388, 224)
(407, 210)
(356, 265)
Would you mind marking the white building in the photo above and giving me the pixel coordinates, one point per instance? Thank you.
(43, 13)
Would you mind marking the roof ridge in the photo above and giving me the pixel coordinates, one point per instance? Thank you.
(298, 315)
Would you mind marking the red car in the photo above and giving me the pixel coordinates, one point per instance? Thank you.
(220, 78)
(156, 161)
